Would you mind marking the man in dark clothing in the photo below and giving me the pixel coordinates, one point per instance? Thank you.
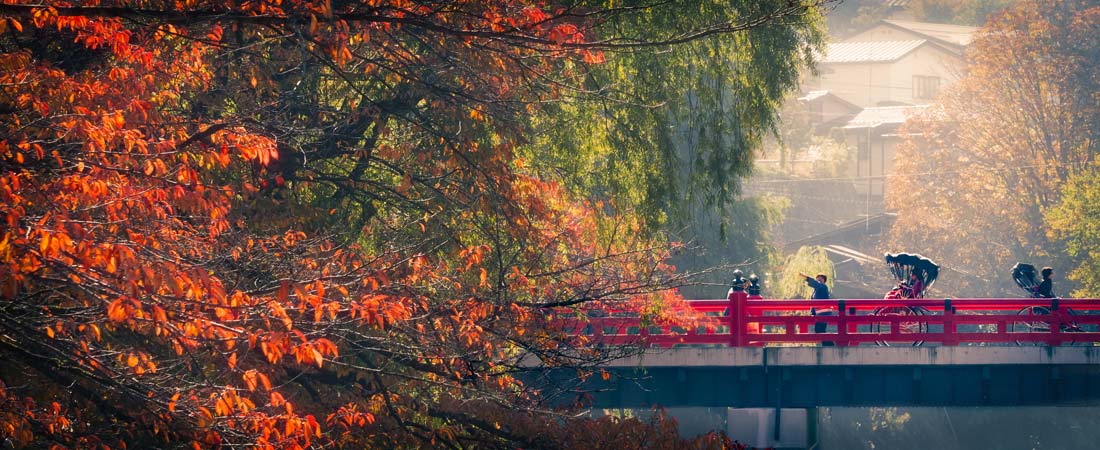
(821, 292)
(1046, 288)
(739, 282)
(754, 286)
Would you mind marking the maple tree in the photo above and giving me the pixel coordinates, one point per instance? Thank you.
(290, 224)
(983, 168)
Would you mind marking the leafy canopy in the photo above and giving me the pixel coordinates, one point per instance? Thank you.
(291, 224)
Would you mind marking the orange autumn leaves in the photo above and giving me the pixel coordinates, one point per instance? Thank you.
(150, 255)
(107, 208)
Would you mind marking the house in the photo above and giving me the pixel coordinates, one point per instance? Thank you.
(895, 62)
(885, 73)
(864, 89)
(869, 84)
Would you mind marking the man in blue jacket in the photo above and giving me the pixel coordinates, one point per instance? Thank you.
(821, 292)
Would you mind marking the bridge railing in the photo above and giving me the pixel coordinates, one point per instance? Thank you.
(744, 321)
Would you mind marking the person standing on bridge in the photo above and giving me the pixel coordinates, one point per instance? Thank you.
(739, 282)
(821, 292)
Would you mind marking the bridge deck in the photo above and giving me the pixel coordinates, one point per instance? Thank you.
(862, 356)
(806, 377)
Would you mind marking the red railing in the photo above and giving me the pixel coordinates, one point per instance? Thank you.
(744, 321)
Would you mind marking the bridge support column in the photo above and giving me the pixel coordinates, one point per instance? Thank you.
(841, 325)
(738, 318)
(949, 327)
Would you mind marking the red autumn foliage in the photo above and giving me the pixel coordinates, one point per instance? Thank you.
(291, 224)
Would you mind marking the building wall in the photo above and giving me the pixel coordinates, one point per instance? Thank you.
(871, 166)
(830, 110)
(861, 84)
(928, 62)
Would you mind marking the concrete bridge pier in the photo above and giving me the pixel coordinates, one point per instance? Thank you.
(758, 427)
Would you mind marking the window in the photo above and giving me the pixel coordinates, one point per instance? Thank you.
(925, 87)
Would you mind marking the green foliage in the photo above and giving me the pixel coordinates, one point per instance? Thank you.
(746, 246)
(810, 260)
(671, 133)
(795, 133)
(1076, 221)
(827, 156)
(867, 15)
(853, 16)
(835, 156)
(680, 126)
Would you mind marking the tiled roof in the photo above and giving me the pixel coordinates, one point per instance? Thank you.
(879, 51)
(883, 115)
(954, 34)
(823, 95)
(813, 95)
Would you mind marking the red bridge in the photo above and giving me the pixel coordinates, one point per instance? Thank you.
(742, 320)
(747, 357)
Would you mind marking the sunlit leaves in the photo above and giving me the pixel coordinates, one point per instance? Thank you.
(1076, 221)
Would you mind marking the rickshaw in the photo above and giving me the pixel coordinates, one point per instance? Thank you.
(1026, 277)
(903, 266)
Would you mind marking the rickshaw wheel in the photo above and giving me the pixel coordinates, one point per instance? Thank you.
(906, 327)
(1039, 326)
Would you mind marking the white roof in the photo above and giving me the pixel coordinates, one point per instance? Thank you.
(878, 51)
(813, 95)
(883, 115)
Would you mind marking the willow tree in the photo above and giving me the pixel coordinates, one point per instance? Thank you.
(809, 260)
(671, 133)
